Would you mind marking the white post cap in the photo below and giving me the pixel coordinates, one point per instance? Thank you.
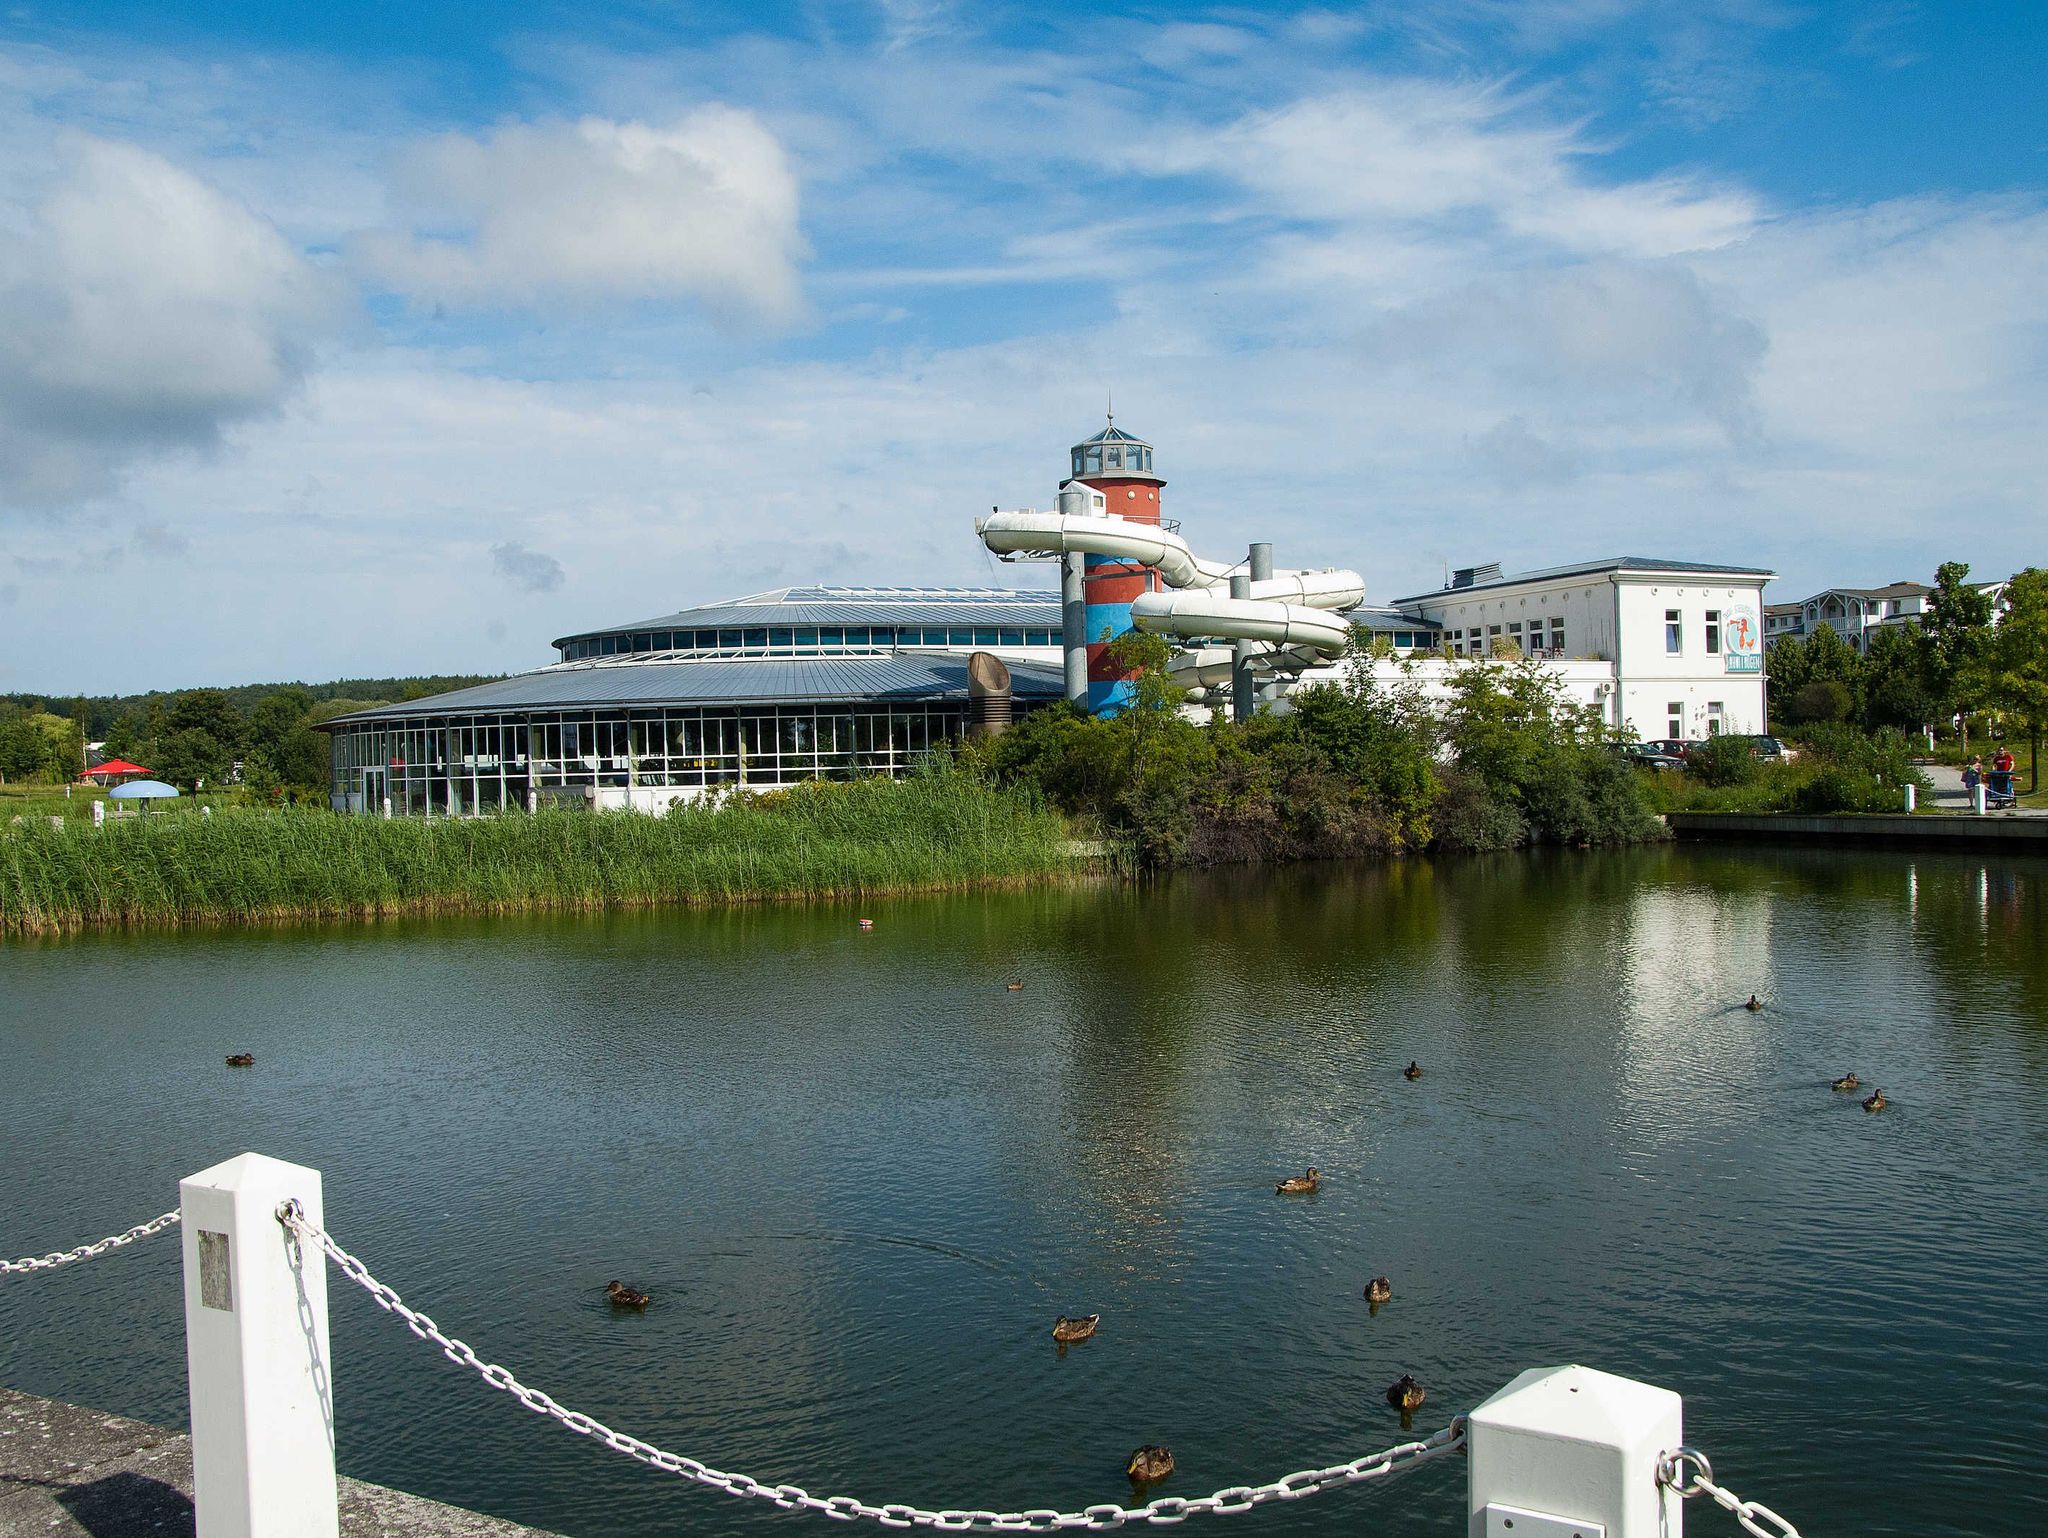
(1564, 1451)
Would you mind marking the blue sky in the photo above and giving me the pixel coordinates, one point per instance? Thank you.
(365, 340)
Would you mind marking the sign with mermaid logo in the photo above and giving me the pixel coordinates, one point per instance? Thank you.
(1742, 640)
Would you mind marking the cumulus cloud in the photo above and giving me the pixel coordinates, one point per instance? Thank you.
(529, 570)
(597, 210)
(140, 309)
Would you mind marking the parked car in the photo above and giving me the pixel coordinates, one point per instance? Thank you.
(1771, 750)
(1666, 747)
(1651, 755)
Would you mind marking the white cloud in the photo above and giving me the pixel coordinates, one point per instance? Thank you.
(1393, 152)
(140, 309)
(597, 210)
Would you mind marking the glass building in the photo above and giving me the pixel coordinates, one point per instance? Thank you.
(802, 683)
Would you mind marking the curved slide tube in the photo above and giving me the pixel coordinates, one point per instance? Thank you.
(1289, 612)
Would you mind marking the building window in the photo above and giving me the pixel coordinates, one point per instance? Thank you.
(1675, 722)
(1713, 632)
(1713, 718)
(1674, 634)
(1557, 636)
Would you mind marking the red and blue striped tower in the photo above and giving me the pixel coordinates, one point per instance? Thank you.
(1119, 468)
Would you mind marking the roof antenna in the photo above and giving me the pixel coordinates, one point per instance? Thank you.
(1112, 405)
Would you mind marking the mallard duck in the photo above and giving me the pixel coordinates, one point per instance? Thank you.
(1412, 1071)
(623, 1296)
(1066, 1331)
(1297, 1185)
(1848, 1081)
(1406, 1394)
(241, 1059)
(1015, 985)
(1149, 1465)
(1876, 1102)
(1378, 1291)
(1754, 1004)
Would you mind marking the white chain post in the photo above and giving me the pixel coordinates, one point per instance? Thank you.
(1567, 1452)
(256, 1354)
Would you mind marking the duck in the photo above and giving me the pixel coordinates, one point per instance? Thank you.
(1148, 1465)
(1847, 1081)
(1412, 1071)
(623, 1296)
(1876, 1102)
(867, 923)
(1754, 1004)
(1066, 1331)
(241, 1059)
(1015, 985)
(1406, 1394)
(1378, 1291)
(1298, 1185)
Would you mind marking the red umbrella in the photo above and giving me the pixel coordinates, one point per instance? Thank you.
(112, 768)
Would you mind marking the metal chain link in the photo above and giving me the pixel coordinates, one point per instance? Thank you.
(1750, 1514)
(1166, 1509)
(87, 1251)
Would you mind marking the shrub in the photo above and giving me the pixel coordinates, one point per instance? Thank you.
(1721, 761)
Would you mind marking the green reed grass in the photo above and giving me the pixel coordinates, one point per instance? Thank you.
(815, 841)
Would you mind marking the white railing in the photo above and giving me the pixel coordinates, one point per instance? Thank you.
(1561, 1452)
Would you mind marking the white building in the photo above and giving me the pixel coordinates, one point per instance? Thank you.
(1857, 613)
(1668, 648)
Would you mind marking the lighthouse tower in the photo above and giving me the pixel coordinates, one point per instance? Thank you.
(1118, 468)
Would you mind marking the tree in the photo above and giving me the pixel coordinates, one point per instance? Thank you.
(209, 711)
(1894, 684)
(1954, 637)
(1824, 699)
(187, 756)
(273, 721)
(24, 751)
(2016, 662)
(1799, 666)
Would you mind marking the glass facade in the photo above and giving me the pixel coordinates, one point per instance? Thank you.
(803, 640)
(439, 766)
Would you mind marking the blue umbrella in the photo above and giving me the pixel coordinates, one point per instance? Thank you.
(142, 790)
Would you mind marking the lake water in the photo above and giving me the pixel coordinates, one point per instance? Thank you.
(861, 1178)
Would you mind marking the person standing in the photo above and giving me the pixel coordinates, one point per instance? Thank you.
(1973, 776)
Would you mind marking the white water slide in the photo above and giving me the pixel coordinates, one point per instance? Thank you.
(1289, 614)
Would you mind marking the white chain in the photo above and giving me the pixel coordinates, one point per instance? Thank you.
(87, 1251)
(1169, 1508)
(1750, 1514)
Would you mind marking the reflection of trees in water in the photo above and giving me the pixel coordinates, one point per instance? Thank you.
(1982, 927)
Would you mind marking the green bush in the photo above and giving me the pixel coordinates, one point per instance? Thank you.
(1722, 761)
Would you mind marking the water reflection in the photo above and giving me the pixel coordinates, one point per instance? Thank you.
(862, 1177)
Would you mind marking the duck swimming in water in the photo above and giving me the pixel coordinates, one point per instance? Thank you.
(1300, 1185)
(623, 1296)
(1406, 1394)
(1412, 1071)
(1378, 1291)
(1149, 1465)
(1066, 1331)
(241, 1059)
(1754, 1004)
(1876, 1102)
(1015, 985)
(1847, 1081)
